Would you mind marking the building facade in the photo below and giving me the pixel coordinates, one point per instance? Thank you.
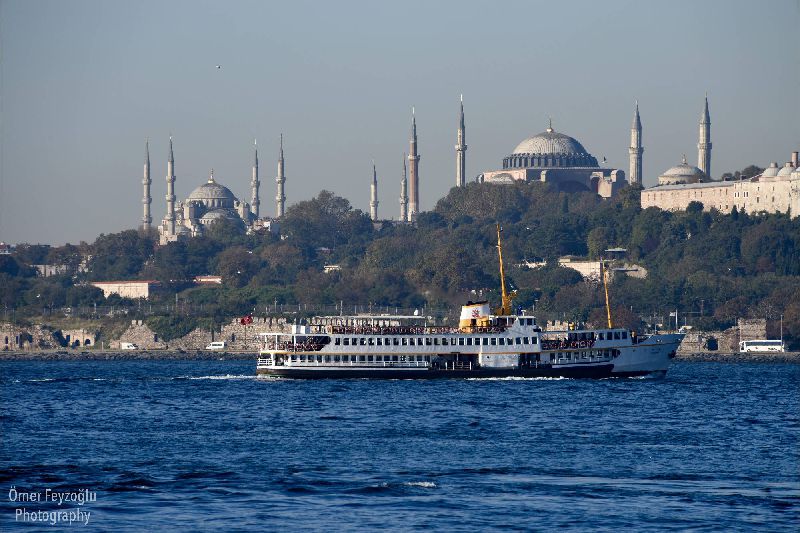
(776, 190)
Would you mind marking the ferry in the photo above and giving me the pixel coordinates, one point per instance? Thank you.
(484, 345)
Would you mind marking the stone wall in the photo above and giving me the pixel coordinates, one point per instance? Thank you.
(36, 337)
(141, 335)
(79, 337)
(726, 341)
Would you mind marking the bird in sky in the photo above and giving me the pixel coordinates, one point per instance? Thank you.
(219, 66)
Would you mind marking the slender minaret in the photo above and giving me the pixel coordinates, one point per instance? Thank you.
(280, 198)
(461, 149)
(147, 220)
(373, 195)
(635, 151)
(704, 146)
(170, 218)
(255, 202)
(413, 162)
(404, 194)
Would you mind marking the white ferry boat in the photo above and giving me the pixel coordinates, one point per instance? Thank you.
(483, 345)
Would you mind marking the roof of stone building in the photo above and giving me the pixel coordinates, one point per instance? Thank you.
(771, 171)
(684, 170)
(550, 142)
(786, 170)
(219, 214)
(211, 190)
(679, 186)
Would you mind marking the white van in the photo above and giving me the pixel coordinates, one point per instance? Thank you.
(128, 346)
(216, 345)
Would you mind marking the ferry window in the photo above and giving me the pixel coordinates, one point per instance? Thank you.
(371, 341)
(600, 336)
(502, 341)
(397, 342)
(494, 341)
(354, 342)
(379, 341)
(395, 359)
(362, 358)
(624, 334)
(460, 341)
(452, 341)
(616, 335)
(525, 340)
(519, 341)
(363, 341)
(336, 359)
(346, 342)
(412, 341)
(405, 341)
(427, 341)
(436, 341)
(552, 358)
(486, 341)
(370, 358)
(337, 341)
(469, 341)
(535, 340)
(327, 358)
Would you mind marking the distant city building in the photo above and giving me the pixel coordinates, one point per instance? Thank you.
(208, 203)
(208, 280)
(126, 289)
(559, 159)
(776, 190)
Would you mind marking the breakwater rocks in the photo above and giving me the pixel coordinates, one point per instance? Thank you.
(111, 355)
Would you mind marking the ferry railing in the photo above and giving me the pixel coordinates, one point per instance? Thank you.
(372, 364)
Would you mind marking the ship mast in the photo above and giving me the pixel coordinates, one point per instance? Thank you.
(605, 287)
(505, 306)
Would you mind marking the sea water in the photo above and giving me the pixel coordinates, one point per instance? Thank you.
(205, 445)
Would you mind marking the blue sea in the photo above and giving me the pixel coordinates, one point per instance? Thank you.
(207, 446)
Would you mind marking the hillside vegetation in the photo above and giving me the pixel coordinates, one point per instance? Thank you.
(712, 268)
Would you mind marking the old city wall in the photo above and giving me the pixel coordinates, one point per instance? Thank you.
(725, 341)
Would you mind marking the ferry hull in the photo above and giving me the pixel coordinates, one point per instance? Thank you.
(544, 371)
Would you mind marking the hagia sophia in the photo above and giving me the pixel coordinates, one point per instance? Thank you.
(550, 156)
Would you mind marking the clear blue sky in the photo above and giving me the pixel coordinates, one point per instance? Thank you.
(85, 82)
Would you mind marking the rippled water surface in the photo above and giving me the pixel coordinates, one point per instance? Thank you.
(207, 446)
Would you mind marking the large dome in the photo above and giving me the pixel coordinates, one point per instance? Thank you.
(550, 149)
(550, 143)
(213, 195)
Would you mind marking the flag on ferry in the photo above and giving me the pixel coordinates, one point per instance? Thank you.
(245, 320)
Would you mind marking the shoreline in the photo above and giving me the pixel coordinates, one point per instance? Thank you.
(194, 355)
(117, 355)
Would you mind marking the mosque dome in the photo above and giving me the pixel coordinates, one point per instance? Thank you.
(549, 149)
(550, 142)
(682, 173)
(216, 215)
(771, 171)
(213, 194)
(786, 171)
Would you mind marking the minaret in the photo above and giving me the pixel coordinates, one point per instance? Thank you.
(635, 151)
(373, 195)
(280, 198)
(147, 220)
(170, 218)
(704, 146)
(404, 194)
(461, 149)
(255, 184)
(413, 162)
